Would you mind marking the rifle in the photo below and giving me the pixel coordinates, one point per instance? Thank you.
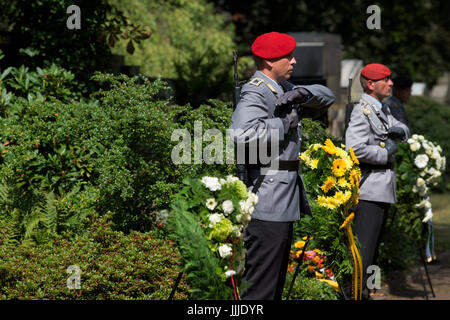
(241, 169)
(349, 107)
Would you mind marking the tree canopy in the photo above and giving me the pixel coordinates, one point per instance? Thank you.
(413, 39)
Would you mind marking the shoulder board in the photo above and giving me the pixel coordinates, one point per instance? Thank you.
(258, 81)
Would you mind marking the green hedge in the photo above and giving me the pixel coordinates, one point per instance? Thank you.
(113, 266)
(116, 148)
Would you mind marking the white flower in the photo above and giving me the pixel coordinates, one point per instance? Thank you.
(415, 137)
(236, 232)
(423, 191)
(414, 146)
(212, 183)
(230, 273)
(214, 219)
(252, 198)
(432, 171)
(428, 216)
(246, 206)
(420, 137)
(435, 155)
(225, 251)
(211, 203)
(439, 149)
(420, 182)
(421, 161)
(231, 179)
(424, 204)
(227, 206)
(434, 178)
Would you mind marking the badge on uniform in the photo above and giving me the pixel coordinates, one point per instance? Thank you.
(366, 111)
(382, 144)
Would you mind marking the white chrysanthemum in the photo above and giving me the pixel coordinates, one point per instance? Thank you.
(424, 204)
(211, 203)
(434, 178)
(212, 183)
(225, 251)
(420, 182)
(252, 198)
(423, 191)
(227, 206)
(420, 137)
(214, 219)
(236, 231)
(414, 146)
(421, 161)
(439, 149)
(246, 206)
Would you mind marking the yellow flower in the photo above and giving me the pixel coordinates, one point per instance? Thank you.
(347, 196)
(339, 197)
(314, 163)
(354, 178)
(343, 183)
(299, 244)
(339, 167)
(344, 155)
(329, 147)
(327, 202)
(315, 146)
(329, 183)
(352, 155)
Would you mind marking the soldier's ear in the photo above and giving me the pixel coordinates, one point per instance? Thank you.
(268, 63)
(371, 85)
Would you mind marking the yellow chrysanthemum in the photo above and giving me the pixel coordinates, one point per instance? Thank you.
(344, 156)
(339, 167)
(354, 178)
(343, 183)
(326, 202)
(316, 146)
(329, 147)
(339, 197)
(329, 183)
(352, 155)
(314, 163)
(347, 196)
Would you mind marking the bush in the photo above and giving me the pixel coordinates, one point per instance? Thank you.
(309, 289)
(113, 266)
(119, 146)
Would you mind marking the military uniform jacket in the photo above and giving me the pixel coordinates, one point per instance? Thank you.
(280, 195)
(366, 133)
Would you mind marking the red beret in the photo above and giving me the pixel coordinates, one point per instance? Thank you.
(375, 71)
(273, 45)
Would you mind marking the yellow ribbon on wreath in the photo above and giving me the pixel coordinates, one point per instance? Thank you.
(357, 263)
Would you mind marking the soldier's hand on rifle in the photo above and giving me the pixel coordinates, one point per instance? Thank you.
(396, 133)
(295, 96)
